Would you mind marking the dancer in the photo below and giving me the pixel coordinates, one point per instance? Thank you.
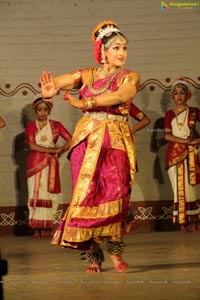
(102, 153)
(43, 167)
(182, 161)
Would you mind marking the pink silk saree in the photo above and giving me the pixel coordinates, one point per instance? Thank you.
(103, 159)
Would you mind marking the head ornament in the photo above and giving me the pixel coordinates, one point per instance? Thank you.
(184, 84)
(180, 81)
(103, 29)
(39, 99)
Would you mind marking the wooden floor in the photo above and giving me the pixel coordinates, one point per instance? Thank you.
(162, 266)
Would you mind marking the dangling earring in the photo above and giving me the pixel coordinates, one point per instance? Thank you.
(103, 57)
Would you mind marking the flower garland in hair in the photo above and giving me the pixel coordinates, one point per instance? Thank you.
(98, 28)
(97, 51)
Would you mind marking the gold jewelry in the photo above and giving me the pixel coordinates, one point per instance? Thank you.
(111, 72)
(84, 104)
(180, 110)
(41, 124)
(105, 87)
(181, 124)
(43, 138)
(101, 90)
(89, 103)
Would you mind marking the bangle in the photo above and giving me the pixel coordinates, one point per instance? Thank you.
(47, 98)
(94, 103)
(84, 104)
(89, 103)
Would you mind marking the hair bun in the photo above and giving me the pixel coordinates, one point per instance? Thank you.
(103, 27)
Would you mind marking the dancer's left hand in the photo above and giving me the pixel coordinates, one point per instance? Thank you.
(72, 100)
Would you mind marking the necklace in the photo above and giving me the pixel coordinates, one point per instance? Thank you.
(41, 124)
(42, 132)
(104, 88)
(181, 124)
(102, 71)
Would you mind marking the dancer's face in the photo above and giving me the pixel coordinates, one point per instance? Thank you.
(180, 96)
(42, 111)
(116, 54)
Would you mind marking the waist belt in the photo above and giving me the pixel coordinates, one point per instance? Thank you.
(105, 116)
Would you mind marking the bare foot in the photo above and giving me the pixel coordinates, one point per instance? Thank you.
(37, 234)
(189, 228)
(119, 264)
(93, 268)
(193, 227)
(197, 227)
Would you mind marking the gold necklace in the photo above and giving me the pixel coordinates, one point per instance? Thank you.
(42, 124)
(106, 73)
(104, 88)
(42, 137)
(181, 124)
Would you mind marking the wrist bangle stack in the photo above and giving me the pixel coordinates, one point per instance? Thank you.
(89, 103)
(47, 98)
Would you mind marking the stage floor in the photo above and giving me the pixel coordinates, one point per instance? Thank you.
(162, 266)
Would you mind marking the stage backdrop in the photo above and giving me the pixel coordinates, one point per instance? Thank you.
(164, 43)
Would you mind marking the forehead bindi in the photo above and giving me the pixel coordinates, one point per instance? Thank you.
(179, 89)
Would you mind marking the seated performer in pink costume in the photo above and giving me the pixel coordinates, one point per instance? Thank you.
(43, 167)
(182, 160)
(102, 153)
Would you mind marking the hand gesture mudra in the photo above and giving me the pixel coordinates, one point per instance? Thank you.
(47, 85)
(72, 100)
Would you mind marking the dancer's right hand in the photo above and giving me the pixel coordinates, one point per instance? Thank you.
(47, 85)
